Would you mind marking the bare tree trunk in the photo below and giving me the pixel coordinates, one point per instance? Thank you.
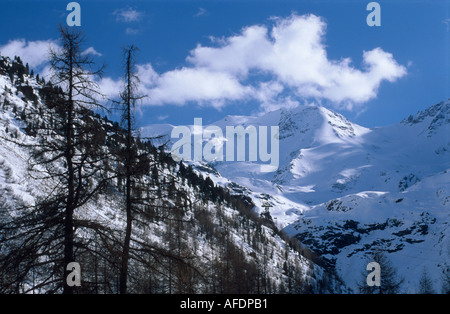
(126, 245)
(80, 150)
(68, 223)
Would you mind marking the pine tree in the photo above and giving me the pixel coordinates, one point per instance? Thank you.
(390, 280)
(445, 276)
(425, 283)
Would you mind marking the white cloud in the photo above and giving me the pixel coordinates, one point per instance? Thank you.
(196, 84)
(200, 12)
(110, 87)
(278, 66)
(91, 51)
(147, 75)
(128, 15)
(447, 22)
(161, 118)
(295, 54)
(180, 86)
(47, 73)
(346, 84)
(236, 55)
(35, 53)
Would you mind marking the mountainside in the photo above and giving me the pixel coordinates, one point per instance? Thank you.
(347, 191)
(190, 235)
(341, 192)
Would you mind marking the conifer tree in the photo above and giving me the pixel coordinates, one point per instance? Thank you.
(45, 237)
(80, 146)
(425, 283)
(390, 281)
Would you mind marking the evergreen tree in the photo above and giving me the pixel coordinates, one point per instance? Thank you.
(390, 281)
(425, 283)
(446, 280)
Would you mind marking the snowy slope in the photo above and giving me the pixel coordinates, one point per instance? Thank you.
(346, 190)
(255, 241)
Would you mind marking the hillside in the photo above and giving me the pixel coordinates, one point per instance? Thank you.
(347, 191)
(190, 235)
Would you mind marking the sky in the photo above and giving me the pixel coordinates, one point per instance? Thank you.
(214, 58)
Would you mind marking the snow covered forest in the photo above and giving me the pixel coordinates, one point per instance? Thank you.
(77, 187)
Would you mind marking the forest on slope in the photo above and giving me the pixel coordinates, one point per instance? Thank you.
(78, 187)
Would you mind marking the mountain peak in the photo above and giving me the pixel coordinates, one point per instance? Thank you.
(320, 124)
(434, 117)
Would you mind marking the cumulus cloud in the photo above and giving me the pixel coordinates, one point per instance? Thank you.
(35, 53)
(293, 52)
(110, 87)
(278, 65)
(199, 85)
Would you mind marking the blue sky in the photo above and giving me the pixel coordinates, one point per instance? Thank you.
(212, 58)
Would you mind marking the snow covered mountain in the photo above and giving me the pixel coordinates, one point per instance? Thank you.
(221, 246)
(346, 190)
(343, 190)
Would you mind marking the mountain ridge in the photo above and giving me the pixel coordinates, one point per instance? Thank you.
(345, 190)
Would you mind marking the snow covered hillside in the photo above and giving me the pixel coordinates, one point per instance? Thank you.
(190, 235)
(347, 191)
